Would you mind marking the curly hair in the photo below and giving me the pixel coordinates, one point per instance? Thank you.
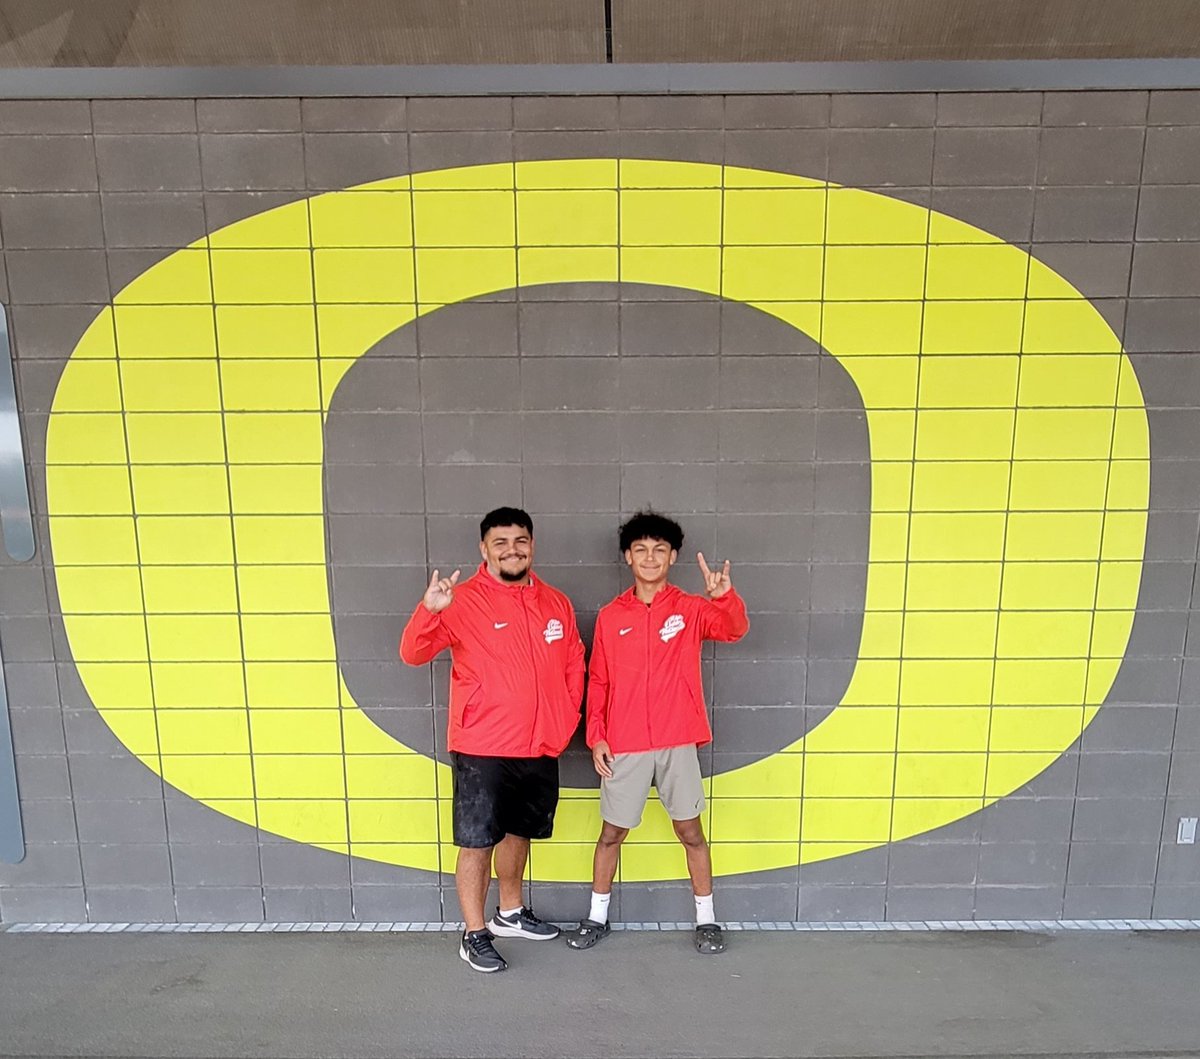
(653, 526)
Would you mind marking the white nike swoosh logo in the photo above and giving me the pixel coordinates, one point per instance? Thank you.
(622, 632)
(499, 625)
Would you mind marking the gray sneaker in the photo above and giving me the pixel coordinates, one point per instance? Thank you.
(480, 954)
(523, 924)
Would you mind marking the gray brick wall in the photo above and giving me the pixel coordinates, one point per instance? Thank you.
(586, 401)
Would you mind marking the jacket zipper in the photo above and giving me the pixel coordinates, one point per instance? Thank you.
(649, 706)
(537, 688)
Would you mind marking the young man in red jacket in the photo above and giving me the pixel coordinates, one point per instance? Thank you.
(515, 688)
(646, 715)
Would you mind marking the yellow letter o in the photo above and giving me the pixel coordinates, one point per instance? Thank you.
(1010, 473)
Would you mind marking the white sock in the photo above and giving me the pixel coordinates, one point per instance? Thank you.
(599, 909)
(508, 913)
(704, 910)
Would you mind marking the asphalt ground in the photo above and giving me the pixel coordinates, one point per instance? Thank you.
(887, 994)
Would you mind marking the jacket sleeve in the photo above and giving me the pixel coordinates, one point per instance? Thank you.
(424, 636)
(597, 696)
(725, 618)
(575, 666)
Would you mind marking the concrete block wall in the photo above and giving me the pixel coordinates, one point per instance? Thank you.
(583, 401)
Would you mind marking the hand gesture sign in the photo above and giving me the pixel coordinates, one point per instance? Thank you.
(440, 593)
(715, 584)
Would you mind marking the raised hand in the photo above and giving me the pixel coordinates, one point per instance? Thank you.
(715, 584)
(440, 593)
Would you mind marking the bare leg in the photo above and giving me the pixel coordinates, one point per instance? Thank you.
(511, 856)
(604, 862)
(595, 926)
(472, 873)
(699, 860)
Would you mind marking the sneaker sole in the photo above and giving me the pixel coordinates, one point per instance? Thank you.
(462, 955)
(501, 931)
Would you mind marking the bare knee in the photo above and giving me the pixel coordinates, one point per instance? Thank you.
(471, 858)
(690, 833)
(612, 836)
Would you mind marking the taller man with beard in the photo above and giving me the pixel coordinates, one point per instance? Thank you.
(516, 684)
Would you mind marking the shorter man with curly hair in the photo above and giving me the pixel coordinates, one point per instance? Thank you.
(646, 717)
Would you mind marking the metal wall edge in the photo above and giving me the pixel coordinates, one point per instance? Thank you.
(17, 524)
(599, 79)
(12, 833)
(16, 521)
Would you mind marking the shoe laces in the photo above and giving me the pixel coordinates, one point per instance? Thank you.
(528, 916)
(481, 943)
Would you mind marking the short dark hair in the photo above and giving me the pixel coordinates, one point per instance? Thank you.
(505, 516)
(652, 526)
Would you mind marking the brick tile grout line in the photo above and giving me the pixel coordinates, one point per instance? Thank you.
(859, 926)
(206, 194)
(1133, 256)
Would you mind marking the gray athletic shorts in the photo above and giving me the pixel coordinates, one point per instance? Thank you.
(674, 771)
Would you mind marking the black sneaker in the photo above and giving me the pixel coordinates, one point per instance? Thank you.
(479, 952)
(523, 924)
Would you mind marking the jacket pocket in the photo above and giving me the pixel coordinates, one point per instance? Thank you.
(700, 712)
(469, 713)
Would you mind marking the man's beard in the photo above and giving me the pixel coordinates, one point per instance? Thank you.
(518, 575)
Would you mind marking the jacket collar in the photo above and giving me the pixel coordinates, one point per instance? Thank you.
(666, 595)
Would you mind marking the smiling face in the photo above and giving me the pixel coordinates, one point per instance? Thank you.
(650, 560)
(508, 553)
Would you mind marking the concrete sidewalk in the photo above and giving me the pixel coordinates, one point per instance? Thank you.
(638, 994)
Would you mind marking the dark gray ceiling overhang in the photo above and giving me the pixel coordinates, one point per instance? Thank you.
(105, 33)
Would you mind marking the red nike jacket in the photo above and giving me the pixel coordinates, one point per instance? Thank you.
(516, 678)
(644, 688)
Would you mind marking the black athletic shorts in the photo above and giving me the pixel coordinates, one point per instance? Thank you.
(498, 796)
